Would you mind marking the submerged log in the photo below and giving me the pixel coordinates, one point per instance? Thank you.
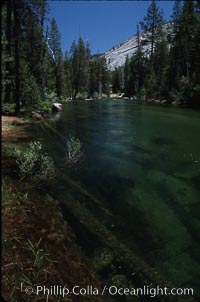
(142, 273)
(77, 207)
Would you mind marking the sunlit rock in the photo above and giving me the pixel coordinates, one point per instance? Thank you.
(56, 107)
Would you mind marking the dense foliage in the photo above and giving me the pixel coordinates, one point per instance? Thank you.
(34, 67)
(170, 67)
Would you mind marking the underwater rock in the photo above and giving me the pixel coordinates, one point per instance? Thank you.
(160, 141)
(181, 191)
(116, 181)
(156, 177)
(188, 173)
(103, 258)
(119, 281)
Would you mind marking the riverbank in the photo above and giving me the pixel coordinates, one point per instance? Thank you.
(39, 247)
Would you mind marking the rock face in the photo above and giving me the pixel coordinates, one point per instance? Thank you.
(56, 107)
(116, 57)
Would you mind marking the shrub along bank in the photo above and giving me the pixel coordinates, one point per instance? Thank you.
(39, 247)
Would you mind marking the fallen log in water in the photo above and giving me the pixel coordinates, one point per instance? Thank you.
(143, 274)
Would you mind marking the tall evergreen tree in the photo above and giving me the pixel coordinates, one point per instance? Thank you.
(196, 52)
(16, 55)
(105, 77)
(57, 56)
(68, 75)
(161, 62)
(60, 77)
(8, 50)
(23, 66)
(127, 77)
(174, 70)
(151, 24)
(55, 41)
(139, 66)
(177, 11)
(93, 87)
(117, 80)
(81, 68)
(188, 23)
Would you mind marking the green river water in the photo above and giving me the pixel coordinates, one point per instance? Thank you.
(142, 163)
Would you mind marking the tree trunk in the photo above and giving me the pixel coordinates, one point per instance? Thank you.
(8, 51)
(16, 55)
(43, 52)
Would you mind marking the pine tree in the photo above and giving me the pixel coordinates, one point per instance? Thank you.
(32, 15)
(174, 71)
(196, 51)
(161, 62)
(16, 55)
(57, 57)
(75, 68)
(117, 81)
(60, 77)
(134, 70)
(105, 77)
(127, 77)
(184, 54)
(139, 68)
(94, 76)
(55, 41)
(177, 11)
(24, 28)
(151, 24)
(68, 75)
(188, 23)
(81, 68)
(8, 50)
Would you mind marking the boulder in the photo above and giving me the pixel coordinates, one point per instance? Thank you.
(36, 115)
(166, 102)
(56, 107)
(156, 101)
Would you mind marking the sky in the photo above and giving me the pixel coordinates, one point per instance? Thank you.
(104, 23)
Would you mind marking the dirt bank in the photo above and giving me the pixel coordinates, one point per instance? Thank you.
(39, 247)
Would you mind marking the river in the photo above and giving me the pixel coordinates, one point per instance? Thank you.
(142, 164)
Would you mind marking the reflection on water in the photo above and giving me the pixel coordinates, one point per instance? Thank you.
(143, 164)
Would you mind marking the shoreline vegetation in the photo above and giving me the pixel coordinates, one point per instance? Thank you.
(143, 100)
(39, 247)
